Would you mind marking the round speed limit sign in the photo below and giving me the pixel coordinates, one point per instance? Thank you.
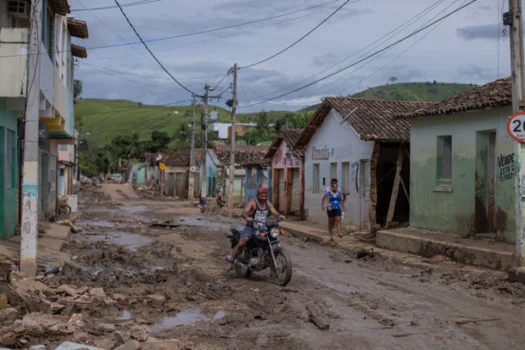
(516, 126)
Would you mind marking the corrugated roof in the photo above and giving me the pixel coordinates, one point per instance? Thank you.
(371, 119)
(492, 95)
(77, 28)
(290, 136)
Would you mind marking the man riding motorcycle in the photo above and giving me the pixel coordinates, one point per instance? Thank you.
(255, 213)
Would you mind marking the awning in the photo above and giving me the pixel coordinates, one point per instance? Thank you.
(78, 51)
(77, 28)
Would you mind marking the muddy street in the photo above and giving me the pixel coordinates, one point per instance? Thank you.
(168, 286)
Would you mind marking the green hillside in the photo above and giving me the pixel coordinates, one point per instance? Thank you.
(423, 92)
(105, 119)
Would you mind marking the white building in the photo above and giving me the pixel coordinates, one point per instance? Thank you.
(356, 141)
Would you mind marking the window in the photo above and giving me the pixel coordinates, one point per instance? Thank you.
(333, 171)
(50, 33)
(345, 183)
(62, 147)
(444, 158)
(18, 8)
(315, 184)
(10, 166)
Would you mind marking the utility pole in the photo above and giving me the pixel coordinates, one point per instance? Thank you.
(77, 164)
(514, 20)
(207, 89)
(192, 154)
(232, 155)
(29, 229)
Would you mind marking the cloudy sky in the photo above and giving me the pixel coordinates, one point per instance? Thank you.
(468, 47)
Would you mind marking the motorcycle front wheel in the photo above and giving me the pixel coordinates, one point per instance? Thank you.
(283, 274)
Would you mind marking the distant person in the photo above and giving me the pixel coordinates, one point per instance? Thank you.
(335, 208)
(220, 199)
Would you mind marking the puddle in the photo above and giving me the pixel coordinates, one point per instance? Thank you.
(186, 318)
(219, 315)
(200, 222)
(107, 325)
(129, 240)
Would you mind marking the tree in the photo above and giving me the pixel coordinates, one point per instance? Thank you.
(263, 123)
(392, 80)
(77, 88)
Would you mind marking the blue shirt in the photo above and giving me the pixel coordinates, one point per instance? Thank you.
(335, 200)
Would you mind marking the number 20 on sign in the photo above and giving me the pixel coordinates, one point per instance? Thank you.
(516, 126)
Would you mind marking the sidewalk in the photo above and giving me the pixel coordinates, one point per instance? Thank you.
(50, 244)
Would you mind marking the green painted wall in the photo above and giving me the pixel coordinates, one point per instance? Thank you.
(454, 211)
(8, 191)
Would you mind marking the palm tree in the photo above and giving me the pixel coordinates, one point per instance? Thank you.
(263, 123)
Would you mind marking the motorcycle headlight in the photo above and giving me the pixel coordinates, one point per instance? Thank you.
(274, 232)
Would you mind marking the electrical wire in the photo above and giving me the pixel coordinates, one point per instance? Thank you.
(365, 58)
(299, 40)
(368, 48)
(143, 2)
(151, 53)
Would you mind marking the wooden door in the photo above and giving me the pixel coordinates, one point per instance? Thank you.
(181, 185)
(364, 193)
(295, 206)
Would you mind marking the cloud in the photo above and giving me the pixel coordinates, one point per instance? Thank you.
(480, 32)
(475, 73)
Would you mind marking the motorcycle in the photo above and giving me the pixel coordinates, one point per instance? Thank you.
(262, 251)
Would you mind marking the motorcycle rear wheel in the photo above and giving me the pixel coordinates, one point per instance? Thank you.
(284, 264)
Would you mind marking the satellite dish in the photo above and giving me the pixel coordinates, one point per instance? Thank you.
(159, 158)
(193, 168)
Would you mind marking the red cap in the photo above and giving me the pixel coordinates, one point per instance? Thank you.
(263, 190)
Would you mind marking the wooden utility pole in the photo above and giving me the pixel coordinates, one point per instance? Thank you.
(192, 152)
(204, 191)
(232, 155)
(514, 20)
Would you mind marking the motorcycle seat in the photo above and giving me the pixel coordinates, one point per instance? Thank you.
(238, 230)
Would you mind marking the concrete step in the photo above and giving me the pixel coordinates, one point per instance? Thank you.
(483, 253)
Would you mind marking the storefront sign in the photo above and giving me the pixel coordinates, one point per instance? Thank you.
(320, 154)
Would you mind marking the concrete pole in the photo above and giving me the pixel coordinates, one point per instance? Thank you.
(518, 105)
(232, 155)
(29, 231)
(192, 154)
(204, 191)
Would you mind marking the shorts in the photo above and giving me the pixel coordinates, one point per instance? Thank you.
(333, 213)
(248, 232)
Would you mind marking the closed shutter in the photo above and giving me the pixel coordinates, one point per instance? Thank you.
(281, 190)
(295, 205)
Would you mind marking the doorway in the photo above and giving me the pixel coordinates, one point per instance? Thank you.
(364, 193)
(485, 182)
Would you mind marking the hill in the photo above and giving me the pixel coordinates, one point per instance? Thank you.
(422, 92)
(105, 119)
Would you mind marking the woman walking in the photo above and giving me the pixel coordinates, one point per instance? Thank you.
(335, 208)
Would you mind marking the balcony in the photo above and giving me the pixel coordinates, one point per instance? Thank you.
(13, 52)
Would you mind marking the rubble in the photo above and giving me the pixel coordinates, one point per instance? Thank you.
(156, 300)
(140, 333)
(97, 292)
(39, 325)
(8, 315)
(132, 345)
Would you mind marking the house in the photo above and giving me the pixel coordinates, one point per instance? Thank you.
(462, 175)
(66, 162)
(174, 179)
(286, 167)
(214, 170)
(358, 142)
(258, 174)
(224, 130)
(56, 111)
(243, 155)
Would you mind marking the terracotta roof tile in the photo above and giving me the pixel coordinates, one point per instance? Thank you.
(290, 136)
(175, 159)
(371, 119)
(492, 95)
(257, 154)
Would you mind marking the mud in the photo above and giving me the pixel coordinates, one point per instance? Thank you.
(173, 282)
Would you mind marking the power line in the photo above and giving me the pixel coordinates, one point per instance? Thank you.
(218, 29)
(367, 57)
(190, 44)
(114, 7)
(376, 43)
(151, 53)
(299, 40)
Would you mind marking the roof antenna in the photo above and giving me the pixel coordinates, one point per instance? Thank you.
(347, 116)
